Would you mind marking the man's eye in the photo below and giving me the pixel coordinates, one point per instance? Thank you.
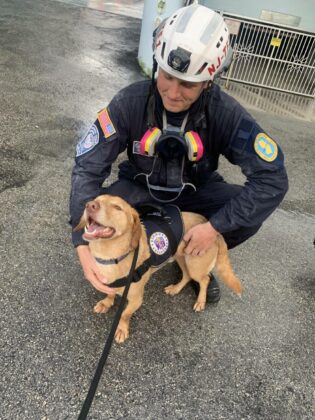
(188, 85)
(167, 76)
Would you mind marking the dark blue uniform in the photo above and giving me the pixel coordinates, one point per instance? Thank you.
(225, 128)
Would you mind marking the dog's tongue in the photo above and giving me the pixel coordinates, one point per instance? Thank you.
(94, 230)
(94, 227)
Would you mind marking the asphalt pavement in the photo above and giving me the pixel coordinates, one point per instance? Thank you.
(249, 358)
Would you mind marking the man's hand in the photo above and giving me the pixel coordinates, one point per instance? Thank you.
(200, 238)
(91, 271)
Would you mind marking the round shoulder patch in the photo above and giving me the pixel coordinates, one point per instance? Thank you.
(265, 147)
(89, 141)
(159, 243)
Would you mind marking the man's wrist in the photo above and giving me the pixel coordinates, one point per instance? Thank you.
(216, 226)
(81, 249)
(212, 227)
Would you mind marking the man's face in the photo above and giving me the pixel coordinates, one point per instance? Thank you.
(178, 95)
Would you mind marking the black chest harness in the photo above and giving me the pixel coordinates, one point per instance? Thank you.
(170, 149)
(164, 227)
(179, 150)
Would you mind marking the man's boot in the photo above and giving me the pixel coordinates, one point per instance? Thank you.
(213, 292)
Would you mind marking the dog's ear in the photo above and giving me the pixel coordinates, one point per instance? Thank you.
(81, 224)
(136, 229)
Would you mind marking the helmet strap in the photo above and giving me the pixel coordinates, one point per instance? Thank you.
(154, 69)
(150, 108)
(150, 104)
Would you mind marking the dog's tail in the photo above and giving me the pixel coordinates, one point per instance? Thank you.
(224, 268)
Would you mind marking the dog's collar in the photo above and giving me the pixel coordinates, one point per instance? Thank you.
(112, 260)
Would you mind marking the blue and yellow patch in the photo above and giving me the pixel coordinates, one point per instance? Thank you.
(265, 147)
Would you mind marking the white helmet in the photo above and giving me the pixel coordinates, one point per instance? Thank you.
(192, 44)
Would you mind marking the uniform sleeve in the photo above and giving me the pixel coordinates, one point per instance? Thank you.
(95, 154)
(262, 162)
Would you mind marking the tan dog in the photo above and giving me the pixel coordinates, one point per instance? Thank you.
(113, 229)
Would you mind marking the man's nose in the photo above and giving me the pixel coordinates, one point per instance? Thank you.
(92, 206)
(174, 90)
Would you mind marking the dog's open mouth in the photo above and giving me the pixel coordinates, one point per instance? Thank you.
(94, 230)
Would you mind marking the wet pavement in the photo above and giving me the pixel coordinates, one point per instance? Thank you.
(249, 358)
(132, 8)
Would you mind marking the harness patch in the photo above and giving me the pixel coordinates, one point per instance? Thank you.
(158, 243)
(164, 233)
(106, 123)
(265, 147)
(88, 142)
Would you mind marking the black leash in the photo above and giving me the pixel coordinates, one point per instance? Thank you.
(98, 373)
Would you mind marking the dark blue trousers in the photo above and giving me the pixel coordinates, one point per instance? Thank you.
(207, 200)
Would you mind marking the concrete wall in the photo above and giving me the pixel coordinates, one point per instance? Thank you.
(154, 12)
(302, 8)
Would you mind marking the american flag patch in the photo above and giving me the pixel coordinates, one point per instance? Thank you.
(106, 123)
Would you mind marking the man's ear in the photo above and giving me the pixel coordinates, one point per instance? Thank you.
(208, 84)
(136, 229)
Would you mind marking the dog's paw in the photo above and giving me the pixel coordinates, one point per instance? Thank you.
(104, 305)
(121, 334)
(101, 308)
(171, 290)
(199, 306)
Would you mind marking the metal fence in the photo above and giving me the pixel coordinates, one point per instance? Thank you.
(271, 57)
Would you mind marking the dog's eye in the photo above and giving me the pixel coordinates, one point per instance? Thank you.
(117, 207)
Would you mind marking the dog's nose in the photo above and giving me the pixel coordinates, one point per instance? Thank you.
(92, 206)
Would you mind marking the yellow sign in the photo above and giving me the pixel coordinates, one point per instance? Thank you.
(275, 42)
(265, 147)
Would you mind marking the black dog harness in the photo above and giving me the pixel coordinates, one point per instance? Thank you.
(164, 227)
